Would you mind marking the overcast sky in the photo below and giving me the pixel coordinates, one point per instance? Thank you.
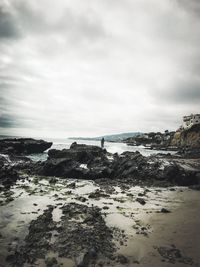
(93, 67)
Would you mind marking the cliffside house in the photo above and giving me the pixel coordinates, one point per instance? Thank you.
(189, 121)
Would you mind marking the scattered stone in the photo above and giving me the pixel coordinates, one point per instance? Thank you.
(173, 255)
(98, 194)
(51, 262)
(53, 180)
(82, 199)
(122, 259)
(164, 210)
(172, 189)
(83, 259)
(141, 201)
(72, 185)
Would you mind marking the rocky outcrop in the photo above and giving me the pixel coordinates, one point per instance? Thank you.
(187, 138)
(81, 153)
(181, 139)
(79, 161)
(23, 146)
(90, 162)
(151, 171)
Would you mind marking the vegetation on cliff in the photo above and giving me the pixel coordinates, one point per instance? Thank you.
(187, 138)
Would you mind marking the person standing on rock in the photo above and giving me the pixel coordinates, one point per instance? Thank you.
(102, 142)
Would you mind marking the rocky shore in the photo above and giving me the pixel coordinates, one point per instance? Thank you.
(83, 206)
(23, 146)
(92, 162)
(185, 141)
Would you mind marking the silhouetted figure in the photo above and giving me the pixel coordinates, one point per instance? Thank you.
(102, 143)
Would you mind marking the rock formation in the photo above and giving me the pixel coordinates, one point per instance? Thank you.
(187, 138)
(91, 162)
(23, 146)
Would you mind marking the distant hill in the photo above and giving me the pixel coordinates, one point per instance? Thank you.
(110, 138)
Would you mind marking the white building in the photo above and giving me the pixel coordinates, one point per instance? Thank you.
(189, 121)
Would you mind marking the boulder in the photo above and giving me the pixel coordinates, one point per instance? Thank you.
(179, 176)
(23, 146)
(81, 153)
(68, 163)
(60, 167)
(130, 165)
(141, 200)
(164, 210)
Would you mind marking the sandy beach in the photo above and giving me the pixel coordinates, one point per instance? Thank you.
(179, 229)
(145, 236)
(144, 213)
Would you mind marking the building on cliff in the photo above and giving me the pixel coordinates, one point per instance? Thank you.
(189, 121)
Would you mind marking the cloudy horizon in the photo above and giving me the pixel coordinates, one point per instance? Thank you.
(69, 68)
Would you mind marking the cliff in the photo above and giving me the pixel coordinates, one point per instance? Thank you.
(187, 138)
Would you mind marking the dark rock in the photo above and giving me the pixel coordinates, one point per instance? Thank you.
(23, 146)
(164, 210)
(87, 237)
(173, 255)
(37, 242)
(82, 199)
(179, 176)
(98, 194)
(141, 201)
(83, 154)
(72, 185)
(51, 262)
(130, 165)
(53, 180)
(171, 171)
(8, 174)
(122, 259)
(92, 253)
(67, 163)
(82, 260)
(60, 167)
(128, 168)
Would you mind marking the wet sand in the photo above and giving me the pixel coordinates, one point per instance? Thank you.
(145, 227)
(179, 228)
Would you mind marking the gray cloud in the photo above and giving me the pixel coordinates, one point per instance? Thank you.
(7, 121)
(8, 27)
(185, 92)
(73, 25)
(190, 6)
(99, 66)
